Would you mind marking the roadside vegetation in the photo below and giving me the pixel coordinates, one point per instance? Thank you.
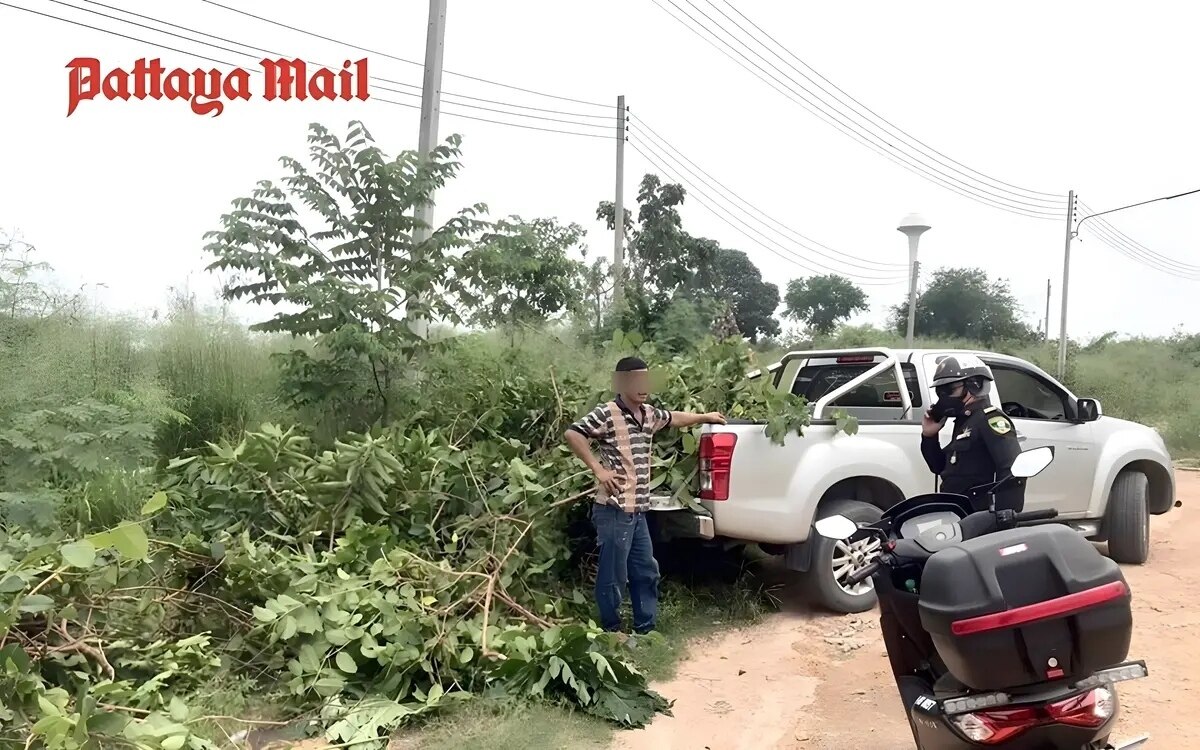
(328, 526)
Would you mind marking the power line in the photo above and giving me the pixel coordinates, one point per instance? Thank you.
(934, 175)
(1107, 234)
(401, 59)
(266, 51)
(827, 112)
(244, 54)
(778, 250)
(806, 242)
(885, 141)
(1058, 200)
(277, 54)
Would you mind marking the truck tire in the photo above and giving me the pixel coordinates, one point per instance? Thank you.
(1129, 519)
(820, 583)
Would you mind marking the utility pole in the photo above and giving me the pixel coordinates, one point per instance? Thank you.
(1066, 280)
(1046, 329)
(431, 104)
(618, 264)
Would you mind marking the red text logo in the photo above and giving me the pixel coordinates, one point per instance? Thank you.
(206, 91)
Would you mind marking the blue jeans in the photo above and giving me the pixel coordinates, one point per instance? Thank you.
(626, 557)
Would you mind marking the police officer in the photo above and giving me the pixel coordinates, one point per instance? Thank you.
(983, 443)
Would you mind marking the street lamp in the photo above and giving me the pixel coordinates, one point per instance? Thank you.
(1072, 233)
(913, 225)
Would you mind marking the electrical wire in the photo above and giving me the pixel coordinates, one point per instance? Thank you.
(1134, 244)
(682, 162)
(1135, 251)
(976, 194)
(765, 243)
(385, 80)
(401, 59)
(885, 140)
(1057, 199)
(310, 62)
(159, 45)
(927, 170)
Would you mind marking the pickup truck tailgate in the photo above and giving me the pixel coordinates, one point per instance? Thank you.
(745, 481)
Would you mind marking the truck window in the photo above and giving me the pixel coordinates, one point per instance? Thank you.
(1024, 395)
(814, 381)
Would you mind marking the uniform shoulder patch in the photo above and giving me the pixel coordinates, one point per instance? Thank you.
(1000, 424)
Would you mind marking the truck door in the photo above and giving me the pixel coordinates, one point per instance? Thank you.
(1040, 409)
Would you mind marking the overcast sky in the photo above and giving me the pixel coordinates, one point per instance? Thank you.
(1097, 96)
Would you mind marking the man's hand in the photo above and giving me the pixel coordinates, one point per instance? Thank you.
(609, 480)
(930, 428)
(714, 417)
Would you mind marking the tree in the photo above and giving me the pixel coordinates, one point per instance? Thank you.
(734, 279)
(962, 303)
(821, 302)
(333, 277)
(664, 263)
(521, 273)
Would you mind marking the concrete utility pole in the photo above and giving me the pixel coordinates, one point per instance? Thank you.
(618, 264)
(1046, 328)
(913, 225)
(431, 102)
(1066, 280)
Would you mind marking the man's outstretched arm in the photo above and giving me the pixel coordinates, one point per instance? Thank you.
(691, 419)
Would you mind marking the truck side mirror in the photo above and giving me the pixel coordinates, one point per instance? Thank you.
(1088, 409)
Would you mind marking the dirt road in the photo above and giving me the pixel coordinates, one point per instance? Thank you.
(821, 682)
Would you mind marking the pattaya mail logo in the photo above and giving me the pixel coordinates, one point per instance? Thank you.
(208, 90)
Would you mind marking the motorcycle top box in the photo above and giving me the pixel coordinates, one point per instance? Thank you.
(1025, 606)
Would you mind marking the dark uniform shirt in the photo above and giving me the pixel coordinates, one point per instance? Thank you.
(981, 450)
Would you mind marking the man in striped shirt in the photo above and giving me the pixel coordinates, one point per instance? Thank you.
(623, 429)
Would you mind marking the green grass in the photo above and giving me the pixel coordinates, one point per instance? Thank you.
(483, 725)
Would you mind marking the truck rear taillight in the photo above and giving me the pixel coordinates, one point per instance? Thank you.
(855, 359)
(716, 458)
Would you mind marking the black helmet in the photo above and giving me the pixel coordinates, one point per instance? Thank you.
(955, 368)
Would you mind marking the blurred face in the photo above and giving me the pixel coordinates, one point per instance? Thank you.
(634, 386)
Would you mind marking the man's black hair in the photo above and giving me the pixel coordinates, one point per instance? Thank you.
(630, 364)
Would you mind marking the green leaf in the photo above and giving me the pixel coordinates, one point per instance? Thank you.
(130, 541)
(263, 614)
(35, 604)
(178, 709)
(157, 502)
(11, 584)
(80, 554)
(346, 663)
(174, 742)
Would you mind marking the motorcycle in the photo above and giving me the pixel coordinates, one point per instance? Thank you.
(1004, 630)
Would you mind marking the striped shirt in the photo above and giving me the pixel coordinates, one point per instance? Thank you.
(624, 434)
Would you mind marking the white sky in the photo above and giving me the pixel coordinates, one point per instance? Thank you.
(1094, 96)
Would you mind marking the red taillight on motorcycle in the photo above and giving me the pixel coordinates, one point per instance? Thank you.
(1089, 710)
(994, 727)
(716, 458)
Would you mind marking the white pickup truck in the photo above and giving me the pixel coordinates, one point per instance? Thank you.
(1107, 477)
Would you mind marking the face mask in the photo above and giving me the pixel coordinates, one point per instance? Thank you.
(947, 406)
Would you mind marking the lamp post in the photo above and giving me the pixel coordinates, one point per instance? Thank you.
(913, 226)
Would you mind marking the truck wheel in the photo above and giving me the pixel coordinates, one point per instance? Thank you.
(833, 560)
(1129, 519)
